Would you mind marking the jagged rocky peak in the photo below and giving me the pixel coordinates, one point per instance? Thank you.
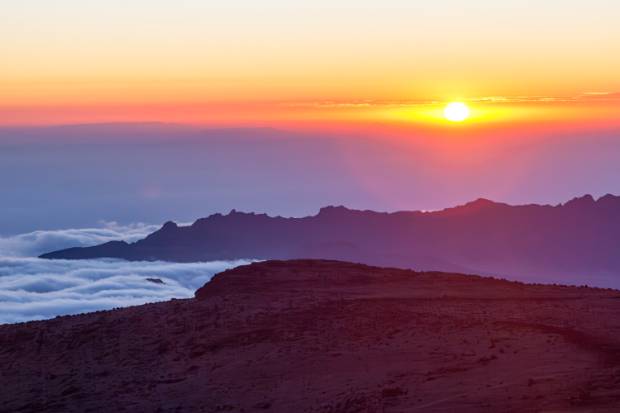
(115, 243)
(473, 206)
(482, 202)
(609, 199)
(166, 231)
(235, 213)
(169, 225)
(331, 210)
(582, 201)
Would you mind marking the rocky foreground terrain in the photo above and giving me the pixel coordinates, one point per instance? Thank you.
(324, 336)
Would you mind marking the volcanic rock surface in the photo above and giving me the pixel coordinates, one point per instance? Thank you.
(326, 336)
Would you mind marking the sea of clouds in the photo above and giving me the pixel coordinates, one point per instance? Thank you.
(32, 288)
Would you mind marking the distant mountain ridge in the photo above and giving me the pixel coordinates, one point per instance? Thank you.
(578, 239)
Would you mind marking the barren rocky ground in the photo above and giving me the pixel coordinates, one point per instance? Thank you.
(325, 336)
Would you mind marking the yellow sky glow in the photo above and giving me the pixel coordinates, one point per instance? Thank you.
(205, 61)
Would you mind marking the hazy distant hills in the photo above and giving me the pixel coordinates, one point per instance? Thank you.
(574, 242)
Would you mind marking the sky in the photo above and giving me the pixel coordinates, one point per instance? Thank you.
(143, 111)
(119, 115)
(76, 176)
(303, 64)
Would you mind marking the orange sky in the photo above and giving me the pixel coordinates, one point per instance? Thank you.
(282, 63)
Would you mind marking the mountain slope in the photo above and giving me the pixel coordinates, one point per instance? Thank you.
(577, 240)
(321, 336)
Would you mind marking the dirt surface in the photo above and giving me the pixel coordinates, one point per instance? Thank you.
(324, 336)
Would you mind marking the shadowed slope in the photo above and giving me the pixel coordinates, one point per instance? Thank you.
(324, 336)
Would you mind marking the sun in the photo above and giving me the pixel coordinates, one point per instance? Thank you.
(456, 112)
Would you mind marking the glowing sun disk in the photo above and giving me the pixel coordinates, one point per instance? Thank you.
(456, 112)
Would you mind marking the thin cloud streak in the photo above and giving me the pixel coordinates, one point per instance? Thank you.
(499, 99)
(38, 242)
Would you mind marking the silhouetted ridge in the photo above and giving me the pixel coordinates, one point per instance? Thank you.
(581, 202)
(473, 207)
(577, 239)
(334, 210)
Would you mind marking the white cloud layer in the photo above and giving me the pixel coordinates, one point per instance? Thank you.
(38, 242)
(33, 289)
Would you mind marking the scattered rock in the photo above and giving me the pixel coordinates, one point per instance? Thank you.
(155, 280)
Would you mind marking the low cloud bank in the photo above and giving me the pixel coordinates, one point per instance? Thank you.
(34, 289)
